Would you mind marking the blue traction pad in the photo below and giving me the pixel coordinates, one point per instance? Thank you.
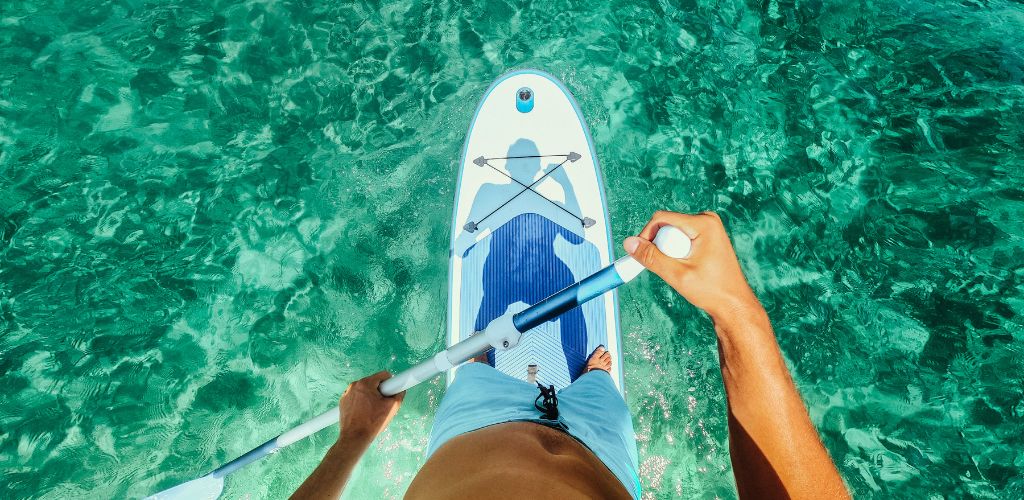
(525, 260)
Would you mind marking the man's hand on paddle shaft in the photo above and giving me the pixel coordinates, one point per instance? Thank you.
(710, 277)
(365, 412)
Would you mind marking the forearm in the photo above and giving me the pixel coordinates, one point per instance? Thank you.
(329, 478)
(775, 449)
(770, 431)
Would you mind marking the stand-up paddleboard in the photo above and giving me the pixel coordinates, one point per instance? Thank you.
(530, 243)
(530, 219)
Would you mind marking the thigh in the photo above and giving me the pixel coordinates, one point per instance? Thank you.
(478, 397)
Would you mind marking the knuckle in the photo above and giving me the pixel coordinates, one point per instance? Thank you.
(714, 220)
(661, 216)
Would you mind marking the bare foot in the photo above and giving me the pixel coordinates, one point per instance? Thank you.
(601, 359)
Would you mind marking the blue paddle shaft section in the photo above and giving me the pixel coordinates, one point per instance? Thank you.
(598, 283)
(523, 266)
(567, 299)
(547, 309)
(250, 457)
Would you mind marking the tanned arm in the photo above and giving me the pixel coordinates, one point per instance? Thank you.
(775, 449)
(364, 414)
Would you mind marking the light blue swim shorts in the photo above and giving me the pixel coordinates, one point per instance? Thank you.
(590, 410)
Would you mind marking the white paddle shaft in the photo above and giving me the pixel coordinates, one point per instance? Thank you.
(502, 333)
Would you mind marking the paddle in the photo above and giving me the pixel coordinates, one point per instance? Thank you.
(502, 333)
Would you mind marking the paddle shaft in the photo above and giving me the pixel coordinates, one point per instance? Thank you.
(545, 310)
(502, 333)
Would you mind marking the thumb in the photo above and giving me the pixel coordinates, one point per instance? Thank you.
(648, 254)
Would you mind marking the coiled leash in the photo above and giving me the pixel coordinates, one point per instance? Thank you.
(549, 407)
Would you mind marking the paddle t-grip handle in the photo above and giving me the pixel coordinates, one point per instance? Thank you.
(673, 242)
(670, 240)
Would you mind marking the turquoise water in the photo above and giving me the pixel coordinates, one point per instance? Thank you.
(214, 215)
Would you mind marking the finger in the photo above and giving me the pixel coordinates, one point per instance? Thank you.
(650, 230)
(692, 225)
(647, 254)
(378, 377)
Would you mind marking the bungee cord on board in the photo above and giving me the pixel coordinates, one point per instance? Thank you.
(472, 226)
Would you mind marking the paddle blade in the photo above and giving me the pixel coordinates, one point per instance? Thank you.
(204, 488)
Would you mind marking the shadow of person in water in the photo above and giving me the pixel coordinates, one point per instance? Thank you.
(522, 264)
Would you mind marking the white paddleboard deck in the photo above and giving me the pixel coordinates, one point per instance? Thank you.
(530, 219)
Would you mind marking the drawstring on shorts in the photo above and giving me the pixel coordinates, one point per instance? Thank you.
(549, 407)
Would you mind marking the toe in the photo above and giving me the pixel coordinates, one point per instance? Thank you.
(601, 359)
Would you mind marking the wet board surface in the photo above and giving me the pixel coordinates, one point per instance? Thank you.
(530, 219)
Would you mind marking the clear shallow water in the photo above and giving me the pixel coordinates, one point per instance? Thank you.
(215, 216)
